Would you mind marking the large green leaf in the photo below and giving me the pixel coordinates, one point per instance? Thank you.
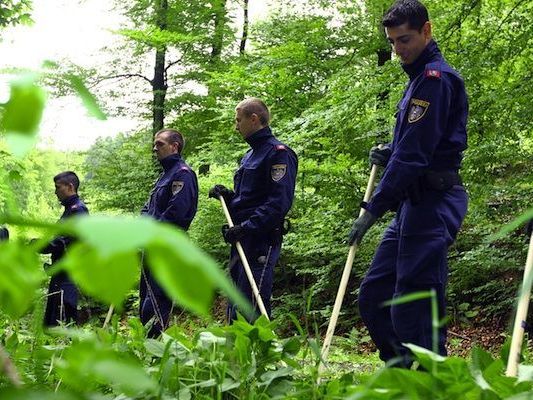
(23, 112)
(104, 277)
(21, 275)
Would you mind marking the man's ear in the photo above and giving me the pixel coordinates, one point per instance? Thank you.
(426, 29)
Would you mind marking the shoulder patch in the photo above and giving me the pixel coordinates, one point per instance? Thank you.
(278, 171)
(280, 147)
(74, 207)
(433, 73)
(417, 110)
(185, 169)
(176, 187)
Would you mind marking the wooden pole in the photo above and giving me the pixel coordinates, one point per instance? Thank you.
(344, 279)
(245, 264)
(521, 315)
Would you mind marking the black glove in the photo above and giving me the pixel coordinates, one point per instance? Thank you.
(233, 234)
(379, 155)
(220, 190)
(4, 233)
(360, 226)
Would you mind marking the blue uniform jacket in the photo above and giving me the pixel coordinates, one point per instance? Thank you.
(174, 198)
(430, 131)
(57, 247)
(264, 184)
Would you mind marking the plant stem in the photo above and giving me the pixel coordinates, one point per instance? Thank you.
(8, 368)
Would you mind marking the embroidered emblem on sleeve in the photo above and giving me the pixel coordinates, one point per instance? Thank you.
(433, 73)
(417, 110)
(176, 187)
(278, 171)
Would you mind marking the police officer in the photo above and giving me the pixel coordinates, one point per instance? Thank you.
(62, 303)
(421, 183)
(262, 196)
(174, 200)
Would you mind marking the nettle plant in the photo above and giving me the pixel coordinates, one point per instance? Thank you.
(241, 361)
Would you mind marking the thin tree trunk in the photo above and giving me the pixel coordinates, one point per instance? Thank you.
(218, 33)
(244, 29)
(159, 82)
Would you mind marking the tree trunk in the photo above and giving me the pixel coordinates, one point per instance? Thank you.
(159, 82)
(244, 29)
(219, 7)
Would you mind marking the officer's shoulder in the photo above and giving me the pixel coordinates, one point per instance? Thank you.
(433, 70)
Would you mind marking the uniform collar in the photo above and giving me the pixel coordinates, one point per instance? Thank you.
(430, 54)
(169, 161)
(70, 201)
(257, 138)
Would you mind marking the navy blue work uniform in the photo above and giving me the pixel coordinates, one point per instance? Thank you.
(62, 300)
(422, 184)
(264, 191)
(174, 200)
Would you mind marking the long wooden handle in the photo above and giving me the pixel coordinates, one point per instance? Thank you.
(344, 279)
(245, 264)
(521, 315)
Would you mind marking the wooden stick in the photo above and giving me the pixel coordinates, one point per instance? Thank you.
(109, 315)
(521, 315)
(245, 264)
(344, 280)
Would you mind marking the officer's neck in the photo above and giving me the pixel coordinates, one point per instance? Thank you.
(430, 53)
(256, 138)
(169, 161)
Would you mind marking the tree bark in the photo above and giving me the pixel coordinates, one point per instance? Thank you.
(244, 29)
(219, 7)
(159, 81)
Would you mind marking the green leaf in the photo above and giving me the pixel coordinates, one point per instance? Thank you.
(108, 278)
(89, 101)
(408, 298)
(29, 394)
(22, 113)
(21, 275)
(126, 375)
(20, 144)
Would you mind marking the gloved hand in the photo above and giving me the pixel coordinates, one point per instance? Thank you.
(4, 233)
(380, 155)
(220, 190)
(233, 234)
(360, 226)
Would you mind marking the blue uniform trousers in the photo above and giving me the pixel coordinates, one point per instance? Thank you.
(153, 303)
(62, 301)
(262, 257)
(412, 257)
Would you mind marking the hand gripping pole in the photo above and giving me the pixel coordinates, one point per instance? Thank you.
(344, 279)
(521, 315)
(244, 261)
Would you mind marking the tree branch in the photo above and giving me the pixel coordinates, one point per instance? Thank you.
(120, 76)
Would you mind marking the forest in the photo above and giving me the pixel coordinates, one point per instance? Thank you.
(332, 83)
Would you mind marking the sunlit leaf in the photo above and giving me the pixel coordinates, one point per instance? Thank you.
(88, 99)
(22, 113)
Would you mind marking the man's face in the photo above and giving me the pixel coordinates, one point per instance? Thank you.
(162, 147)
(246, 125)
(64, 190)
(408, 43)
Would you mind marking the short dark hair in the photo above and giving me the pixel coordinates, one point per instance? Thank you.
(68, 177)
(411, 11)
(173, 136)
(256, 106)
